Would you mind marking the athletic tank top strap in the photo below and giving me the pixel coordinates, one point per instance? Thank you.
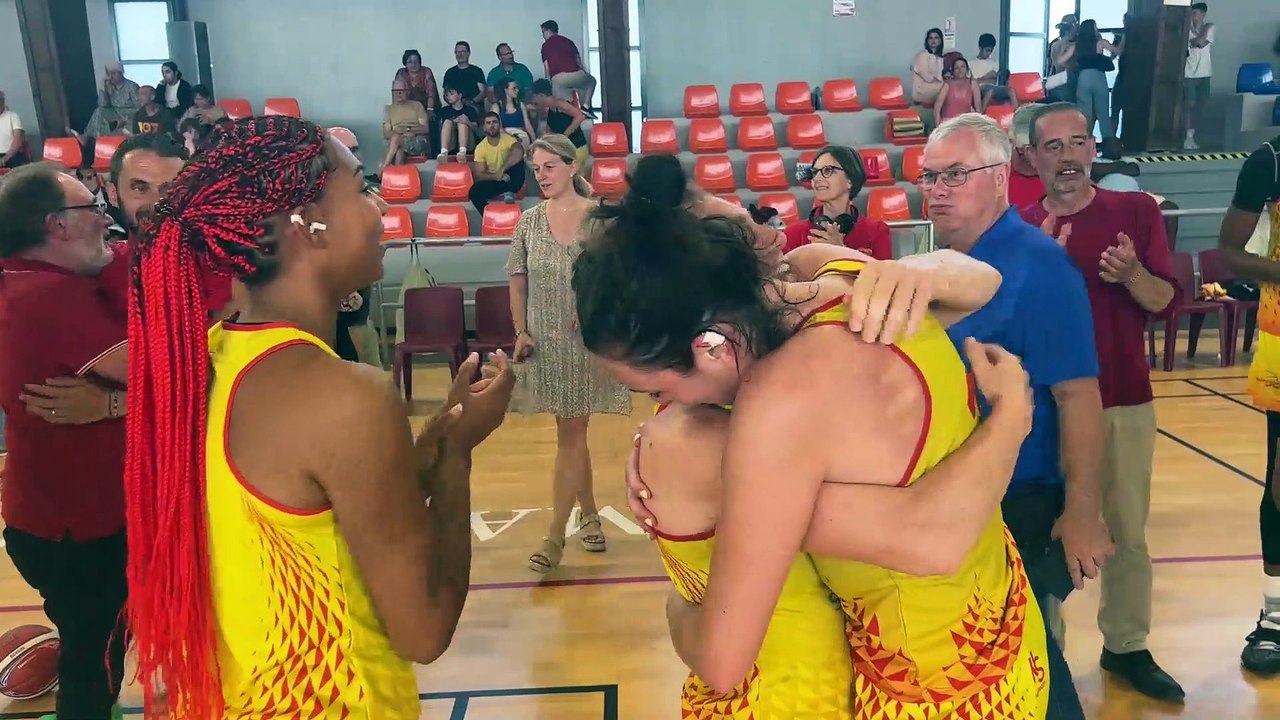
(298, 634)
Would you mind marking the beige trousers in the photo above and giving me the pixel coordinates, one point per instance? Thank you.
(1124, 613)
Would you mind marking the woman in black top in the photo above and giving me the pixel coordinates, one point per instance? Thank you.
(563, 117)
(173, 92)
(1092, 93)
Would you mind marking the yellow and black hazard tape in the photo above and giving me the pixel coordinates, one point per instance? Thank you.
(1191, 157)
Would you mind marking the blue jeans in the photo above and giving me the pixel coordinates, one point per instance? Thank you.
(1094, 98)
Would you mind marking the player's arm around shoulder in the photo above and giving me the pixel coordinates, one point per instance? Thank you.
(367, 465)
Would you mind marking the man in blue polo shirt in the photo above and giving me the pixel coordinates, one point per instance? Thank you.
(1041, 313)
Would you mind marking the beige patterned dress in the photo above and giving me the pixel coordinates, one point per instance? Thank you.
(560, 377)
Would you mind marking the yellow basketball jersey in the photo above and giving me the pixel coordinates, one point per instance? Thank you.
(803, 668)
(297, 633)
(966, 645)
(1264, 371)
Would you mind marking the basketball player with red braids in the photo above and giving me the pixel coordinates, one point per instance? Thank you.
(283, 560)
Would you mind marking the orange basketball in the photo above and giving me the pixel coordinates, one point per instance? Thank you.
(28, 661)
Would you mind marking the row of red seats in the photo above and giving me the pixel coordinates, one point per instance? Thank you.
(708, 135)
(239, 108)
(451, 221)
(795, 97)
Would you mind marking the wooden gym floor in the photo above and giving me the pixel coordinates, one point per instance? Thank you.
(590, 642)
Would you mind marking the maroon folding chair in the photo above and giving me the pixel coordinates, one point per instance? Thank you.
(1214, 270)
(1195, 312)
(433, 324)
(494, 329)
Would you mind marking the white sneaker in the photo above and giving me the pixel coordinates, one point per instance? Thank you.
(1190, 143)
(462, 155)
(443, 157)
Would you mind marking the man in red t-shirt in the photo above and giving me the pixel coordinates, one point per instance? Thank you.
(1118, 242)
(1025, 186)
(563, 66)
(62, 498)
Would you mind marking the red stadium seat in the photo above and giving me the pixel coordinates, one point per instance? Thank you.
(732, 198)
(236, 108)
(448, 221)
(784, 202)
(282, 106)
(344, 136)
(396, 224)
(879, 171)
(766, 171)
(450, 183)
(701, 101)
(912, 163)
(747, 99)
(659, 137)
(609, 177)
(401, 184)
(714, 173)
(886, 93)
(63, 151)
(609, 139)
(756, 133)
(500, 220)
(804, 132)
(888, 204)
(1027, 86)
(707, 135)
(104, 148)
(840, 96)
(793, 98)
(1002, 114)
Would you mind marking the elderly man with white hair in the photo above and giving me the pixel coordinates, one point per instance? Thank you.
(1041, 313)
(118, 100)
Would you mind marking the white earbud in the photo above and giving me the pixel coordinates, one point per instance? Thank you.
(295, 218)
(713, 339)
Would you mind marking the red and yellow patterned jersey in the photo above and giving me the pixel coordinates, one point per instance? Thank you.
(1264, 371)
(966, 645)
(297, 631)
(803, 668)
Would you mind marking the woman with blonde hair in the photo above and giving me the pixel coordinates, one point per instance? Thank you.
(555, 372)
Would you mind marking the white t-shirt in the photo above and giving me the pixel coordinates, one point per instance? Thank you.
(9, 122)
(171, 95)
(979, 68)
(1199, 64)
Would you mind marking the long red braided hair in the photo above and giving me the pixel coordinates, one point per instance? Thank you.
(215, 215)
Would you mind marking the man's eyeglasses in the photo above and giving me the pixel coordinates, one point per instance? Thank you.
(951, 177)
(98, 207)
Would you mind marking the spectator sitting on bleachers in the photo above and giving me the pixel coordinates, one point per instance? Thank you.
(960, 93)
(513, 113)
(985, 68)
(151, 117)
(467, 78)
(405, 126)
(838, 175)
(498, 167)
(117, 102)
(456, 116)
(13, 139)
(421, 81)
(204, 108)
(926, 69)
(506, 70)
(563, 118)
(563, 65)
(178, 94)
(193, 133)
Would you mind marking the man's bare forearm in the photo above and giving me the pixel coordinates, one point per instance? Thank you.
(1247, 265)
(964, 283)
(1080, 435)
(1151, 292)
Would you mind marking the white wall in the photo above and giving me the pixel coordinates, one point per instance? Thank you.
(339, 62)
(14, 79)
(102, 36)
(1246, 32)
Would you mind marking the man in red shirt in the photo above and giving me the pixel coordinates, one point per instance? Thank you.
(838, 175)
(1118, 242)
(63, 491)
(563, 65)
(1025, 186)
